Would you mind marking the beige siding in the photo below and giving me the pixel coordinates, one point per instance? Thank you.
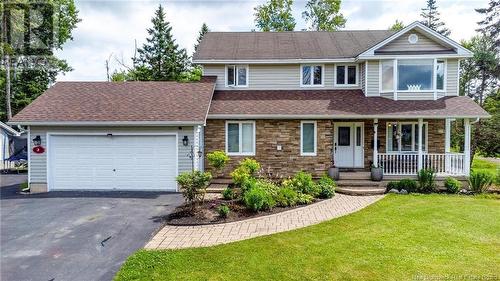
(372, 79)
(362, 77)
(415, 96)
(272, 77)
(452, 74)
(424, 44)
(38, 162)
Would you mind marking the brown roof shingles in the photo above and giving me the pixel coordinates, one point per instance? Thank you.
(287, 45)
(335, 103)
(121, 102)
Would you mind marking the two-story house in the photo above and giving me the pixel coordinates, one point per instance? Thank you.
(291, 100)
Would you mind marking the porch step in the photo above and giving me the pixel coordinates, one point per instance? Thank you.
(222, 180)
(356, 182)
(216, 188)
(360, 191)
(354, 175)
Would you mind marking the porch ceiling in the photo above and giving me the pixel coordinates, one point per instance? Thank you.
(322, 104)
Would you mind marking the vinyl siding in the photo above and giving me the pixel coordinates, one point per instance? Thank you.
(372, 79)
(452, 68)
(274, 77)
(362, 78)
(424, 44)
(38, 162)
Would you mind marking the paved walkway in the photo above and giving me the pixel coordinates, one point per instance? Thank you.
(176, 237)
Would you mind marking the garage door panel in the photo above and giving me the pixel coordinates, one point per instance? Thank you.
(117, 162)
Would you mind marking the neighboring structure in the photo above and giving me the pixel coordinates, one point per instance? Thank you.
(11, 142)
(292, 100)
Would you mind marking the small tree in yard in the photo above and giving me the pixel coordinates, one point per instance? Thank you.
(218, 160)
(193, 186)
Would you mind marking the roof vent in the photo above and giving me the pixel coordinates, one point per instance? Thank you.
(413, 38)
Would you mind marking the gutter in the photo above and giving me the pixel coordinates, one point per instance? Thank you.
(310, 116)
(105, 123)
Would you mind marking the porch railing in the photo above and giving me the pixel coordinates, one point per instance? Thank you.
(407, 163)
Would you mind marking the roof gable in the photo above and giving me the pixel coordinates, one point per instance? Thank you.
(429, 42)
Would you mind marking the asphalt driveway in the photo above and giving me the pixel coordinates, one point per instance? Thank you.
(74, 235)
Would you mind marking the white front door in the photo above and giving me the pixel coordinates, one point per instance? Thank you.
(348, 144)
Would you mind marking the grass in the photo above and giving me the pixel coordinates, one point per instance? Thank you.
(482, 164)
(397, 238)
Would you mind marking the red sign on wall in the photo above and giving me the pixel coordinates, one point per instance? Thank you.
(38, 149)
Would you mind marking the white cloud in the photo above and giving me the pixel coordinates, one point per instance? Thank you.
(110, 27)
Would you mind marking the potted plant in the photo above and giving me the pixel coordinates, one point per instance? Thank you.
(377, 173)
(333, 171)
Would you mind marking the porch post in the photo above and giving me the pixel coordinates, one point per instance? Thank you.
(375, 144)
(420, 160)
(467, 146)
(447, 144)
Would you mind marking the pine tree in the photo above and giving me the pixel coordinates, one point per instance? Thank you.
(397, 26)
(276, 15)
(431, 19)
(203, 31)
(490, 25)
(160, 58)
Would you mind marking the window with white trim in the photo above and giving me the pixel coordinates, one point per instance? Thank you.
(413, 75)
(346, 75)
(311, 75)
(308, 142)
(403, 137)
(237, 75)
(240, 138)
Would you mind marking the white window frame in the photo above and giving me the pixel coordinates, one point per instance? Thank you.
(302, 153)
(236, 66)
(345, 85)
(396, 77)
(413, 141)
(312, 76)
(240, 139)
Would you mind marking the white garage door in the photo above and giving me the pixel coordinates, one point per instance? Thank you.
(112, 162)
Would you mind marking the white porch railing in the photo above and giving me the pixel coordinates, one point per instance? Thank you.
(5, 165)
(407, 163)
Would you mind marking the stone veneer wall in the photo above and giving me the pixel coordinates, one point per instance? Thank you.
(286, 162)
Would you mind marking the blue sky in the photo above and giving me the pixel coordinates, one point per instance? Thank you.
(109, 27)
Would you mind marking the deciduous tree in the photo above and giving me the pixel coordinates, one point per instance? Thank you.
(275, 15)
(324, 15)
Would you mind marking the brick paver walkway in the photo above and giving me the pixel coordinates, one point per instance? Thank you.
(175, 237)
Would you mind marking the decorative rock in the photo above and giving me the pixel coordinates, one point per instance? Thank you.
(394, 191)
(403, 191)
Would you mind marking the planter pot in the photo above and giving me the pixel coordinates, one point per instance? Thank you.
(334, 173)
(377, 174)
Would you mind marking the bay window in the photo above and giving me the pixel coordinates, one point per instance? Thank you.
(412, 75)
(240, 138)
(311, 75)
(403, 137)
(346, 75)
(236, 75)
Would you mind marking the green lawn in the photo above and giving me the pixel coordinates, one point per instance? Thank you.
(397, 238)
(482, 164)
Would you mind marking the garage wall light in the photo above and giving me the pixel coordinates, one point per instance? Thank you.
(37, 141)
(185, 141)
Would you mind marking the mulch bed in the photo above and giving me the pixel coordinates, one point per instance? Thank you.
(207, 213)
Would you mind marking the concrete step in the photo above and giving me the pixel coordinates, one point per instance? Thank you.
(354, 182)
(221, 181)
(216, 188)
(359, 191)
(354, 175)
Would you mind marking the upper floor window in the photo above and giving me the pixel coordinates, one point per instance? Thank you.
(311, 75)
(346, 75)
(236, 75)
(413, 75)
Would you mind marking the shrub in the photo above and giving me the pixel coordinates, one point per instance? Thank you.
(302, 182)
(193, 185)
(480, 181)
(228, 194)
(223, 210)
(452, 185)
(269, 187)
(408, 185)
(286, 197)
(304, 199)
(426, 181)
(240, 175)
(326, 186)
(392, 185)
(257, 199)
(251, 165)
(217, 159)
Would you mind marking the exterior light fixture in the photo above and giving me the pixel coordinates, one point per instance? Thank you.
(200, 153)
(37, 141)
(185, 141)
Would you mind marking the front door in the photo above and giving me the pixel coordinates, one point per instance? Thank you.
(348, 144)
